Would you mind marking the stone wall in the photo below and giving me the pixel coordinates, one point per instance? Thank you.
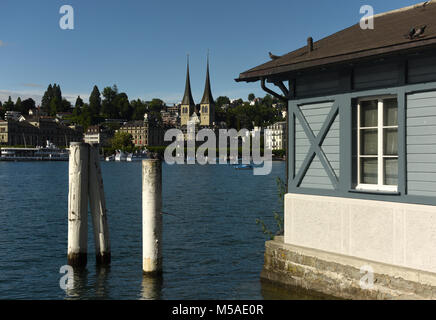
(340, 276)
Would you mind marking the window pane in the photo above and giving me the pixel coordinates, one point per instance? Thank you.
(390, 117)
(368, 172)
(369, 113)
(390, 142)
(368, 142)
(391, 172)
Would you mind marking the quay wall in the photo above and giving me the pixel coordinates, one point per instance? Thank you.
(329, 240)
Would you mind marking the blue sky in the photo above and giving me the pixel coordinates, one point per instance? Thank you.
(141, 45)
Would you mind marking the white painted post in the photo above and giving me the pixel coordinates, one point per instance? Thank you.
(78, 204)
(151, 216)
(97, 203)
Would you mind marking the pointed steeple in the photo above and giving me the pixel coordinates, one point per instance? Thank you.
(207, 95)
(187, 98)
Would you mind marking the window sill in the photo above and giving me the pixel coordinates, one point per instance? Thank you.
(379, 192)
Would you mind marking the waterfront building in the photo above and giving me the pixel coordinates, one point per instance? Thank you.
(145, 133)
(36, 131)
(97, 134)
(275, 139)
(361, 171)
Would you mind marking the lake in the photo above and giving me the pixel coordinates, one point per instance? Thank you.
(212, 247)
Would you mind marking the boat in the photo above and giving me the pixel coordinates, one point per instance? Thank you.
(110, 158)
(48, 153)
(243, 166)
(137, 156)
(120, 155)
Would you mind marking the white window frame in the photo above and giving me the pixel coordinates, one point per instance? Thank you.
(380, 186)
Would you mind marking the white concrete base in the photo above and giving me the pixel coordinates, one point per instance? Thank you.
(392, 233)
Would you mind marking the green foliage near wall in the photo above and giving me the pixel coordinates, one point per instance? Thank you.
(278, 229)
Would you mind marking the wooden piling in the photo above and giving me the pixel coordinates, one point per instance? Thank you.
(151, 217)
(97, 203)
(78, 204)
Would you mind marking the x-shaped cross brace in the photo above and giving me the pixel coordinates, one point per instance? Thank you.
(315, 148)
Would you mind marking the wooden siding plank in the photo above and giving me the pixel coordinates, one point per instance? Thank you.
(421, 143)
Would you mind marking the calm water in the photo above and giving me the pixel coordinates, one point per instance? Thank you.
(213, 248)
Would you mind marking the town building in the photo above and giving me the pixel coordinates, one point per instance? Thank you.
(97, 135)
(145, 133)
(12, 115)
(174, 109)
(36, 132)
(169, 119)
(361, 171)
(275, 138)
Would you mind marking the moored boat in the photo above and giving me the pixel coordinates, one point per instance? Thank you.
(137, 156)
(120, 155)
(48, 153)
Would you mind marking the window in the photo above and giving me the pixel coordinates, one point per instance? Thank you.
(377, 144)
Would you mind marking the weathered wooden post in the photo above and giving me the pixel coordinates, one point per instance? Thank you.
(151, 217)
(97, 203)
(78, 204)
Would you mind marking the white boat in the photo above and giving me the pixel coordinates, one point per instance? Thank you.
(48, 153)
(120, 155)
(137, 156)
(110, 158)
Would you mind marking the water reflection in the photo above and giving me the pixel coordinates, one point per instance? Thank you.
(101, 284)
(80, 285)
(151, 288)
(273, 291)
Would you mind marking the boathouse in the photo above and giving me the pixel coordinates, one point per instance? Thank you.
(360, 209)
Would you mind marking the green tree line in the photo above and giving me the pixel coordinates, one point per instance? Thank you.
(112, 104)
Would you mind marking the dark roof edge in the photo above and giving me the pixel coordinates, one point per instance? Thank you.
(250, 76)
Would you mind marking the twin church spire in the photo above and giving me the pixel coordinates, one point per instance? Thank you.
(207, 95)
(187, 98)
(207, 104)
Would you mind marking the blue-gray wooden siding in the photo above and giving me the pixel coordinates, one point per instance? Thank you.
(417, 145)
(316, 115)
(422, 69)
(421, 144)
(376, 76)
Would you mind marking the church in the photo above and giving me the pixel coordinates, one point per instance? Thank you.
(203, 114)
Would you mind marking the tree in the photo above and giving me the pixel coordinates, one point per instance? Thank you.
(85, 118)
(79, 102)
(57, 92)
(26, 105)
(251, 97)
(222, 100)
(108, 108)
(18, 105)
(95, 101)
(45, 102)
(123, 107)
(237, 103)
(65, 106)
(268, 100)
(122, 141)
(52, 101)
(139, 108)
(54, 106)
(8, 105)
